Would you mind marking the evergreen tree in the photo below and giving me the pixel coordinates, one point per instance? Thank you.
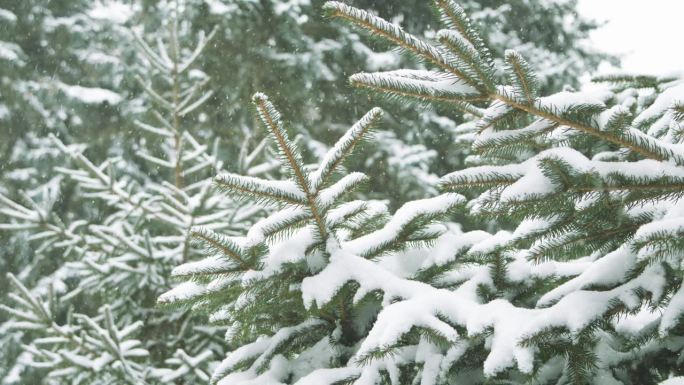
(300, 57)
(117, 259)
(585, 289)
(570, 170)
(354, 294)
(61, 72)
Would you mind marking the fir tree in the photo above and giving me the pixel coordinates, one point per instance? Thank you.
(408, 300)
(570, 170)
(327, 289)
(118, 260)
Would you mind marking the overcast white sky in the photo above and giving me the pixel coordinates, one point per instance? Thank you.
(647, 32)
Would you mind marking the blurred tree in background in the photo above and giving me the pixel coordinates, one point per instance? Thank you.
(52, 48)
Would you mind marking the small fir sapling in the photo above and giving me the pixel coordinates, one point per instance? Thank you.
(120, 258)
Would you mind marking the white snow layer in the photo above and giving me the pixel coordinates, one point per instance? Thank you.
(7, 16)
(10, 51)
(113, 11)
(90, 95)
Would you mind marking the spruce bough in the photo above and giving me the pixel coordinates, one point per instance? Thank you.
(278, 288)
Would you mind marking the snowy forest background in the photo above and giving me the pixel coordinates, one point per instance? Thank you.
(174, 206)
